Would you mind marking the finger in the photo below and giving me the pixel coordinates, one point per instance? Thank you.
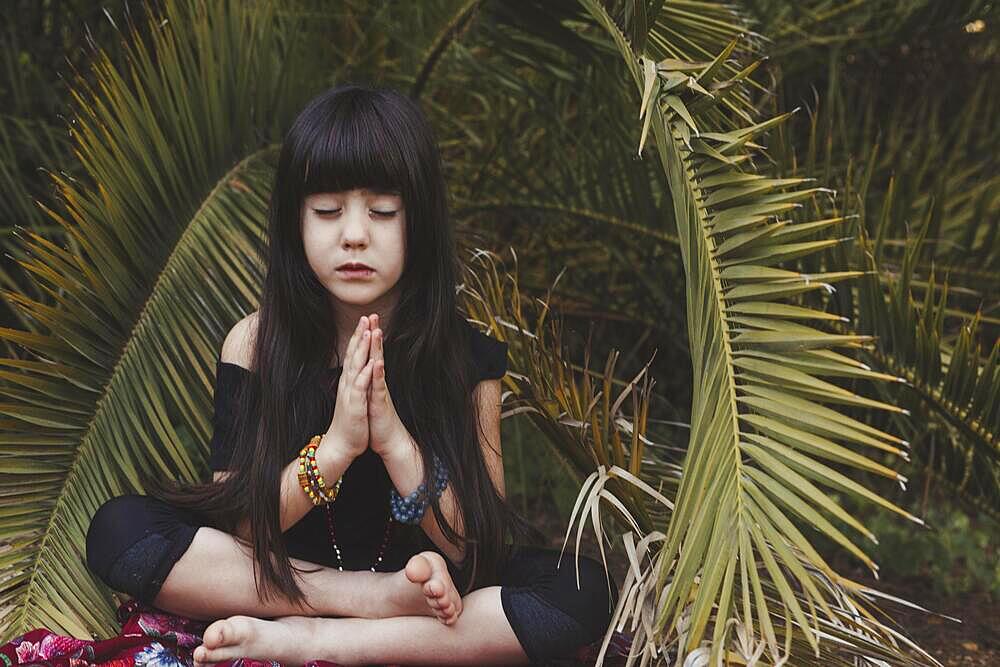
(378, 372)
(364, 377)
(351, 345)
(359, 390)
(379, 375)
(362, 386)
(361, 351)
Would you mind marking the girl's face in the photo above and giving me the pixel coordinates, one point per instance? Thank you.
(363, 226)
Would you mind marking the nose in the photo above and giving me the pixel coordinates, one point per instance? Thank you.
(355, 228)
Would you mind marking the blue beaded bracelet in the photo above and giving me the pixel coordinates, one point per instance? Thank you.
(411, 509)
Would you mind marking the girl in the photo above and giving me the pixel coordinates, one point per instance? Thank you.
(358, 350)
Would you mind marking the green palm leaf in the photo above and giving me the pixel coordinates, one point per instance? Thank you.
(584, 413)
(956, 387)
(176, 187)
(929, 207)
(731, 551)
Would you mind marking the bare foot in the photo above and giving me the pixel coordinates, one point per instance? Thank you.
(288, 639)
(430, 570)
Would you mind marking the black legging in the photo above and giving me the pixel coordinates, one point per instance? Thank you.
(134, 541)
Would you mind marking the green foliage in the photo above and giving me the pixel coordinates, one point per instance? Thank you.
(958, 554)
(752, 450)
(898, 131)
(537, 480)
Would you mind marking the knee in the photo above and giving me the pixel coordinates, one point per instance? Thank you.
(592, 597)
(106, 535)
(554, 617)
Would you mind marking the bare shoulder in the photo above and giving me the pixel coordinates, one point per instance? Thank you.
(237, 348)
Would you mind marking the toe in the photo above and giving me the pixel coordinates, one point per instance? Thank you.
(418, 569)
(223, 638)
(210, 636)
(217, 634)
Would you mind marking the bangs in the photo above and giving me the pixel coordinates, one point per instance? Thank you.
(355, 149)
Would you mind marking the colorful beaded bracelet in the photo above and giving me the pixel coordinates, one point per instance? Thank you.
(310, 478)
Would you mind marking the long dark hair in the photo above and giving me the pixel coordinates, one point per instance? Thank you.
(356, 136)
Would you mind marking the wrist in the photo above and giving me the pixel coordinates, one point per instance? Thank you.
(401, 447)
(331, 455)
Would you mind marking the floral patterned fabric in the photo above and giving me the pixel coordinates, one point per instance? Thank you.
(150, 637)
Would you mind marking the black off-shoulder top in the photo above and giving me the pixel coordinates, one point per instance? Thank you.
(362, 506)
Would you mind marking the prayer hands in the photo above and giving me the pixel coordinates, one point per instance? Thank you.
(349, 426)
(386, 430)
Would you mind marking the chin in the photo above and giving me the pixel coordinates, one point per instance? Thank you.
(360, 295)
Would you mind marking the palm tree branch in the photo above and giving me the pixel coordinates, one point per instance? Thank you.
(721, 436)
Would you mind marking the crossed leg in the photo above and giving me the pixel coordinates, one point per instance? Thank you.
(211, 578)
(479, 635)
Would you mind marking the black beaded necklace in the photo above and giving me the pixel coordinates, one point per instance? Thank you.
(333, 540)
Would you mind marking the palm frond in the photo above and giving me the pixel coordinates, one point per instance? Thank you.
(31, 138)
(731, 551)
(168, 220)
(925, 200)
(954, 387)
(591, 418)
(919, 152)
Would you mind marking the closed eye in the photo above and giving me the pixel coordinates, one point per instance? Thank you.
(384, 214)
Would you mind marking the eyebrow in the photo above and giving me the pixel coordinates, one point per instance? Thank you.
(367, 192)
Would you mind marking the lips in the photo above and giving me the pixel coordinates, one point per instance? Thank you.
(355, 271)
